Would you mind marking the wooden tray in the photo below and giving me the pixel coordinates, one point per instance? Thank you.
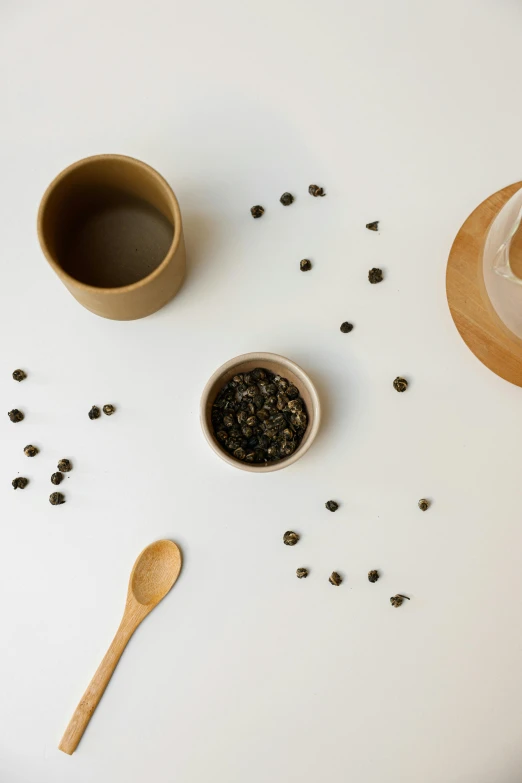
(478, 324)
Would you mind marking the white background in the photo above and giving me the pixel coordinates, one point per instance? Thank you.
(408, 113)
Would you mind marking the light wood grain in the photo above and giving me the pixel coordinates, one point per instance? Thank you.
(478, 324)
(154, 573)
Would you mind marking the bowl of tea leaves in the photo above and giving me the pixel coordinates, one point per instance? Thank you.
(260, 412)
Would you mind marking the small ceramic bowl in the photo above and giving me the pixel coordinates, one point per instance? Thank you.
(276, 364)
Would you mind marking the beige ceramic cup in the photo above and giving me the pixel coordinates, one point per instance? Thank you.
(110, 227)
(280, 366)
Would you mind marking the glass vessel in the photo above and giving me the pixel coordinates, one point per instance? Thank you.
(502, 264)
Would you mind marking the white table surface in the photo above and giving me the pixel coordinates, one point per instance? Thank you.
(407, 113)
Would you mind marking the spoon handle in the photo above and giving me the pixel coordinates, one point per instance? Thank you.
(89, 701)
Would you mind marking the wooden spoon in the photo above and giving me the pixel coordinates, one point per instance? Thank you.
(154, 573)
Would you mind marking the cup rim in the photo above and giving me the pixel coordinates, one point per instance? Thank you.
(169, 194)
(285, 363)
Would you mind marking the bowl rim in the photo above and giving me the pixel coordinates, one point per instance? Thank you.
(133, 163)
(284, 362)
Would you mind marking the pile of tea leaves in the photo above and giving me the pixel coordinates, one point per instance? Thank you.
(259, 417)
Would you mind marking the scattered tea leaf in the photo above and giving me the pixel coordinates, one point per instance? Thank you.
(290, 538)
(375, 275)
(286, 199)
(331, 505)
(400, 384)
(315, 190)
(397, 600)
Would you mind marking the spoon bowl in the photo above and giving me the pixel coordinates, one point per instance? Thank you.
(154, 573)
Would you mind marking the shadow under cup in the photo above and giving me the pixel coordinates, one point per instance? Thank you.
(110, 226)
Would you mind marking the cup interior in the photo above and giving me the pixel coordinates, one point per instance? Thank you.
(108, 221)
(282, 367)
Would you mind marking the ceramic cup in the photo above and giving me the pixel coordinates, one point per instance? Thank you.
(110, 227)
(276, 364)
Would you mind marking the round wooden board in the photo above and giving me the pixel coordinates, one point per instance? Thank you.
(474, 316)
